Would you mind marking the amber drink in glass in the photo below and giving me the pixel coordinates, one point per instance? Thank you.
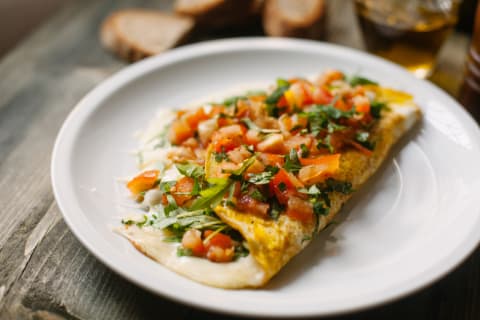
(407, 32)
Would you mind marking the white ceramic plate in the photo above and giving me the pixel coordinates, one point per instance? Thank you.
(415, 220)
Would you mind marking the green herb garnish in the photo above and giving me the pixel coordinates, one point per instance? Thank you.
(292, 164)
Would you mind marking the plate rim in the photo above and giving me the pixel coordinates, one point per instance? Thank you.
(134, 71)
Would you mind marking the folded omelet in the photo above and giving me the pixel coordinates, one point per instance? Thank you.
(273, 242)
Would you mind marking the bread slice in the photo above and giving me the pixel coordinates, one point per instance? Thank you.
(134, 34)
(214, 14)
(294, 18)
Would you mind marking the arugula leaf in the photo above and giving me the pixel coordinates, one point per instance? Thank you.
(292, 164)
(240, 251)
(166, 186)
(356, 80)
(212, 195)
(237, 174)
(190, 170)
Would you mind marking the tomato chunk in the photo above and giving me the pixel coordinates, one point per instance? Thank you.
(192, 239)
(143, 182)
(220, 247)
(281, 186)
(250, 205)
(299, 209)
(179, 132)
(182, 189)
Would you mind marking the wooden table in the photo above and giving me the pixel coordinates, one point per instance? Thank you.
(45, 272)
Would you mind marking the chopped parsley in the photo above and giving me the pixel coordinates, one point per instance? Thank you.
(356, 80)
(292, 164)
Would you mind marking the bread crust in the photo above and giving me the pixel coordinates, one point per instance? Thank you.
(215, 14)
(280, 21)
(117, 33)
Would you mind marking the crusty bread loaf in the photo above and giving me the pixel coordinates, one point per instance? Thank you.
(213, 14)
(294, 18)
(134, 34)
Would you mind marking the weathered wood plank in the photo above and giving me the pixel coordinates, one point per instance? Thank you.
(45, 272)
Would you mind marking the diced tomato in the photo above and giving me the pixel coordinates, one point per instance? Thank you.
(281, 186)
(321, 96)
(217, 254)
(180, 131)
(285, 123)
(273, 143)
(183, 187)
(216, 109)
(342, 105)
(299, 209)
(333, 159)
(228, 138)
(193, 118)
(316, 173)
(253, 137)
(296, 141)
(256, 167)
(362, 104)
(223, 121)
(192, 239)
(282, 102)
(247, 204)
(271, 159)
(220, 240)
(143, 182)
(220, 247)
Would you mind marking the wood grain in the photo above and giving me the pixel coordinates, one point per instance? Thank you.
(45, 272)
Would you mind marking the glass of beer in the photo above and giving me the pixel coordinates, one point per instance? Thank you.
(407, 32)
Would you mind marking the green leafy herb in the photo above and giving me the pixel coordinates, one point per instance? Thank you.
(238, 173)
(282, 186)
(292, 164)
(344, 187)
(326, 143)
(319, 207)
(257, 195)
(275, 209)
(376, 108)
(251, 125)
(174, 238)
(140, 223)
(240, 251)
(272, 99)
(362, 138)
(264, 177)
(190, 170)
(211, 195)
(356, 80)
(332, 127)
(220, 156)
(306, 238)
(182, 252)
(166, 186)
(304, 150)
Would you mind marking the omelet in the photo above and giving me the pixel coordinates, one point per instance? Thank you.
(249, 190)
